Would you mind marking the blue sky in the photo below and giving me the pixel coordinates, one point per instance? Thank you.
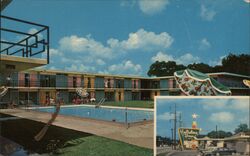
(126, 37)
(226, 113)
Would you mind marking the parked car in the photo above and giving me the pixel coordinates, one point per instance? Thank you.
(223, 151)
(208, 151)
(213, 151)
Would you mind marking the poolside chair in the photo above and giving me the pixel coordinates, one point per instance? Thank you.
(3, 91)
(247, 83)
(92, 100)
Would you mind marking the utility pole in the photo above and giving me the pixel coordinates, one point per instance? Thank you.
(175, 126)
(180, 121)
(174, 129)
(216, 130)
(172, 132)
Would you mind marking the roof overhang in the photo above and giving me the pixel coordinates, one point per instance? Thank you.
(15, 63)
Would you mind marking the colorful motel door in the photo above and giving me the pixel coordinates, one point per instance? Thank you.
(187, 137)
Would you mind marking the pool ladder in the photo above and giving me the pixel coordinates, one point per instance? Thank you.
(100, 103)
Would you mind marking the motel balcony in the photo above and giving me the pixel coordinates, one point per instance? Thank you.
(24, 45)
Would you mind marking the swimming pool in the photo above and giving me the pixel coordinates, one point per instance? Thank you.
(103, 113)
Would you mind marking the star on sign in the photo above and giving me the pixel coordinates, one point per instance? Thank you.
(194, 116)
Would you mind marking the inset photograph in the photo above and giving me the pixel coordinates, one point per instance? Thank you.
(202, 126)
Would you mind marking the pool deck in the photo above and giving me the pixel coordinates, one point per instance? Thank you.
(139, 135)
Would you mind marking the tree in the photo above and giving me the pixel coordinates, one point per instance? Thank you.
(219, 134)
(242, 128)
(239, 64)
(201, 67)
(218, 68)
(164, 68)
(162, 141)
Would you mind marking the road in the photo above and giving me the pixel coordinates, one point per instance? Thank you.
(183, 153)
(168, 151)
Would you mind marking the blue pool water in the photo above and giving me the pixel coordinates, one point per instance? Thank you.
(108, 114)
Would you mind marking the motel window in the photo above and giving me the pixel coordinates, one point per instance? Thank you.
(135, 96)
(44, 80)
(174, 84)
(26, 80)
(52, 82)
(134, 83)
(119, 83)
(109, 86)
(74, 82)
(155, 84)
(89, 85)
(109, 96)
(48, 80)
(61, 80)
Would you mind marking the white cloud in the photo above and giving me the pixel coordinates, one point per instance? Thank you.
(204, 44)
(80, 67)
(144, 40)
(214, 104)
(207, 14)
(126, 67)
(187, 59)
(32, 39)
(33, 31)
(221, 117)
(100, 62)
(73, 67)
(151, 7)
(82, 52)
(72, 60)
(85, 46)
(160, 56)
(216, 62)
(247, 1)
(239, 104)
(55, 52)
(140, 40)
(52, 68)
(226, 104)
(165, 116)
(184, 59)
(103, 72)
(244, 120)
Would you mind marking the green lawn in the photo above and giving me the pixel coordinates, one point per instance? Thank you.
(99, 146)
(139, 104)
(62, 141)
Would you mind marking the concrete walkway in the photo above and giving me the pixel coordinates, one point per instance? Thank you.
(140, 135)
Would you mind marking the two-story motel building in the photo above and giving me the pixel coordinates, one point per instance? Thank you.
(36, 85)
